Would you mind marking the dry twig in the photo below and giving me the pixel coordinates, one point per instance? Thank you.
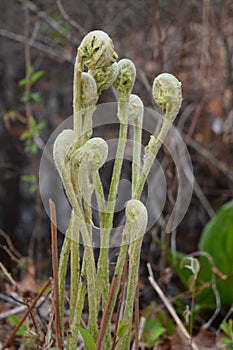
(170, 308)
(10, 244)
(58, 54)
(159, 31)
(121, 297)
(55, 271)
(70, 20)
(105, 314)
(7, 274)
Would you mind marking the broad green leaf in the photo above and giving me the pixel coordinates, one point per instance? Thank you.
(217, 240)
(227, 329)
(87, 337)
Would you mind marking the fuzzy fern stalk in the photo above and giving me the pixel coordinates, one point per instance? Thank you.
(137, 216)
(136, 118)
(78, 157)
(167, 94)
(124, 84)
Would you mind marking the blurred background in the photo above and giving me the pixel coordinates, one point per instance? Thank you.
(38, 39)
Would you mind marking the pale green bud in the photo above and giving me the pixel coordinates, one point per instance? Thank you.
(89, 90)
(136, 215)
(92, 154)
(104, 77)
(96, 50)
(167, 93)
(62, 144)
(135, 111)
(125, 78)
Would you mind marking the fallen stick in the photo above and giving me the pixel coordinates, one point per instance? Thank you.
(170, 308)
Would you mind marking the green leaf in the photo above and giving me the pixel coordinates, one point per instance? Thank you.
(25, 135)
(30, 147)
(217, 240)
(33, 148)
(15, 320)
(29, 178)
(21, 331)
(36, 76)
(36, 97)
(122, 329)
(39, 127)
(157, 332)
(22, 82)
(226, 328)
(226, 341)
(32, 122)
(32, 189)
(89, 341)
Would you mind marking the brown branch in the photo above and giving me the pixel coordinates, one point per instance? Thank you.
(33, 321)
(121, 297)
(7, 274)
(9, 252)
(170, 308)
(59, 55)
(10, 244)
(55, 271)
(159, 31)
(195, 119)
(7, 342)
(69, 19)
(209, 156)
(105, 314)
(14, 311)
(28, 65)
(50, 21)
